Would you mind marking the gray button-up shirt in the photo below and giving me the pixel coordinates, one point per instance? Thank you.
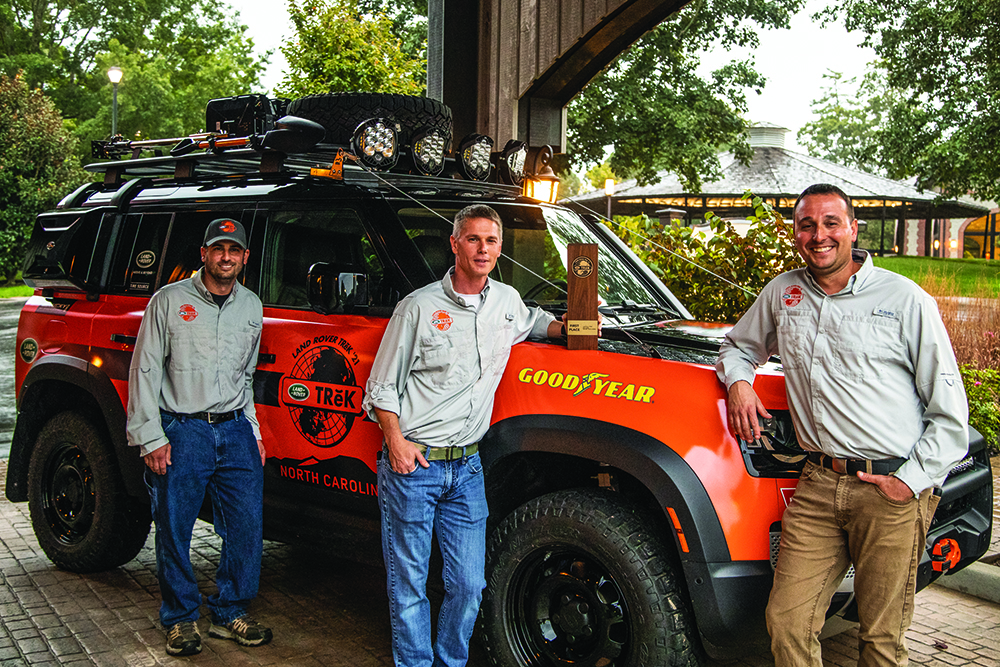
(870, 372)
(440, 361)
(191, 356)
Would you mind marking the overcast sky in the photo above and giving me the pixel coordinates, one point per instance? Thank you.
(792, 60)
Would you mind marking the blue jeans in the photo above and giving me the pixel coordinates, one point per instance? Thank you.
(448, 498)
(223, 460)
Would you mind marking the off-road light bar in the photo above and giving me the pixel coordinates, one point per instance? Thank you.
(375, 144)
(474, 157)
(510, 162)
(427, 152)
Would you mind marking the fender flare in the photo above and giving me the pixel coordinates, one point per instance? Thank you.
(95, 383)
(658, 467)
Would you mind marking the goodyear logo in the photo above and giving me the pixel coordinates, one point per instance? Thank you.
(598, 384)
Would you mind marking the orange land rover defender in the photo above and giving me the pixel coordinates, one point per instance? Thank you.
(628, 525)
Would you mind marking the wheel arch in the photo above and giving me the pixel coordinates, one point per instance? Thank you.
(529, 455)
(59, 382)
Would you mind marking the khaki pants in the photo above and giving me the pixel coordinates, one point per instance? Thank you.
(833, 521)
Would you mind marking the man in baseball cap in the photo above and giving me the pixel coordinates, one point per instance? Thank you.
(225, 229)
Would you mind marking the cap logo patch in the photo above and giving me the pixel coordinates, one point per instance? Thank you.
(187, 312)
(227, 226)
(441, 320)
(792, 296)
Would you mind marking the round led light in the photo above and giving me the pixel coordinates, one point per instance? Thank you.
(510, 162)
(474, 157)
(427, 152)
(375, 144)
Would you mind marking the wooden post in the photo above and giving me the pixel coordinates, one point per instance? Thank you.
(581, 300)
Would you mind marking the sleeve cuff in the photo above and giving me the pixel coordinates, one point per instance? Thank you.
(911, 474)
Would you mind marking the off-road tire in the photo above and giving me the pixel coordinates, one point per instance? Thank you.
(341, 113)
(576, 578)
(81, 515)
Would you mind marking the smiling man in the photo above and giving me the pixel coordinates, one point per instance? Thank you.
(431, 390)
(191, 414)
(878, 404)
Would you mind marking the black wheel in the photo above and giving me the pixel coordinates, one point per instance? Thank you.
(575, 578)
(341, 113)
(81, 515)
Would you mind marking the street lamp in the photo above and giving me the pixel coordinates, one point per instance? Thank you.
(609, 191)
(115, 75)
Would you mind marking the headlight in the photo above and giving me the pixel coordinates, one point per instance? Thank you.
(427, 152)
(474, 157)
(375, 144)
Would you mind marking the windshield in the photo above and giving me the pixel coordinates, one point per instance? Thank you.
(533, 261)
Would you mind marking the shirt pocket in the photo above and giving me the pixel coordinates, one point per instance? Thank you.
(447, 360)
(191, 348)
(865, 347)
(501, 338)
(793, 338)
(237, 346)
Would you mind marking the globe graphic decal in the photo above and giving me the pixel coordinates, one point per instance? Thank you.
(323, 428)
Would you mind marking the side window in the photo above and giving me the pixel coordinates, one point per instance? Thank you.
(140, 252)
(297, 239)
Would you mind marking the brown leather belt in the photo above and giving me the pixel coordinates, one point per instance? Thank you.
(854, 466)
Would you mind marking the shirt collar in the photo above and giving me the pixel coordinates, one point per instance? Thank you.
(199, 285)
(856, 281)
(450, 292)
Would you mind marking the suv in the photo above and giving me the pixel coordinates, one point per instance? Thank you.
(628, 525)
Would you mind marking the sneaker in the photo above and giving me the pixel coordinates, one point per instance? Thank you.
(183, 639)
(243, 630)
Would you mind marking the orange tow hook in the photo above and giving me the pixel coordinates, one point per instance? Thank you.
(945, 554)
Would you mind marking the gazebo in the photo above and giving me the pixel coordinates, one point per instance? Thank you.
(924, 223)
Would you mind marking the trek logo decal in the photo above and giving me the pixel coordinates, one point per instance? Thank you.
(187, 312)
(595, 383)
(441, 320)
(792, 296)
(321, 393)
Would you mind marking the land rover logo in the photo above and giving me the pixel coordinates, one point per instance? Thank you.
(50, 245)
(582, 267)
(298, 392)
(145, 259)
(28, 350)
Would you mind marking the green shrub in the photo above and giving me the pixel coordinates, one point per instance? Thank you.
(982, 386)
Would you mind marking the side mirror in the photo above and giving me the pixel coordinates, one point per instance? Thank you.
(334, 288)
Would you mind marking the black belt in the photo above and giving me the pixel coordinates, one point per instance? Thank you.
(854, 466)
(210, 417)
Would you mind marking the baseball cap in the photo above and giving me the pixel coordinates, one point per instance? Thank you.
(225, 229)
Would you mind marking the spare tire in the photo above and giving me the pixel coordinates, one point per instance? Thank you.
(341, 113)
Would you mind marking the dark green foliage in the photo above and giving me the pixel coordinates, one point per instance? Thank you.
(36, 166)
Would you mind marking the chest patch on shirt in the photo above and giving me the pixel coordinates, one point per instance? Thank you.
(187, 312)
(441, 320)
(882, 312)
(792, 296)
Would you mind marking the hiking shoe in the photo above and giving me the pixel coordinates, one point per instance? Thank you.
(183, 639)
(244, 630)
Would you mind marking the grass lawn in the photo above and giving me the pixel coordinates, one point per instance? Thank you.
(15, 290)
(960, 277)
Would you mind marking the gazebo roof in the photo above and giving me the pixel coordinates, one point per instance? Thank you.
(778, 175)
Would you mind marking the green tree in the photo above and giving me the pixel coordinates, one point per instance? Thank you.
(176, 55)
(36, 166)
(941, 60)
(847, 116)
(600, 173)
(338, 48)
(409, 22)
(657, 112)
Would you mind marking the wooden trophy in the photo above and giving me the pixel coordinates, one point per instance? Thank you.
(581, 300)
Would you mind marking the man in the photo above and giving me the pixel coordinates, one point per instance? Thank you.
(877, 401)
(431, 390)
(191, 413)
